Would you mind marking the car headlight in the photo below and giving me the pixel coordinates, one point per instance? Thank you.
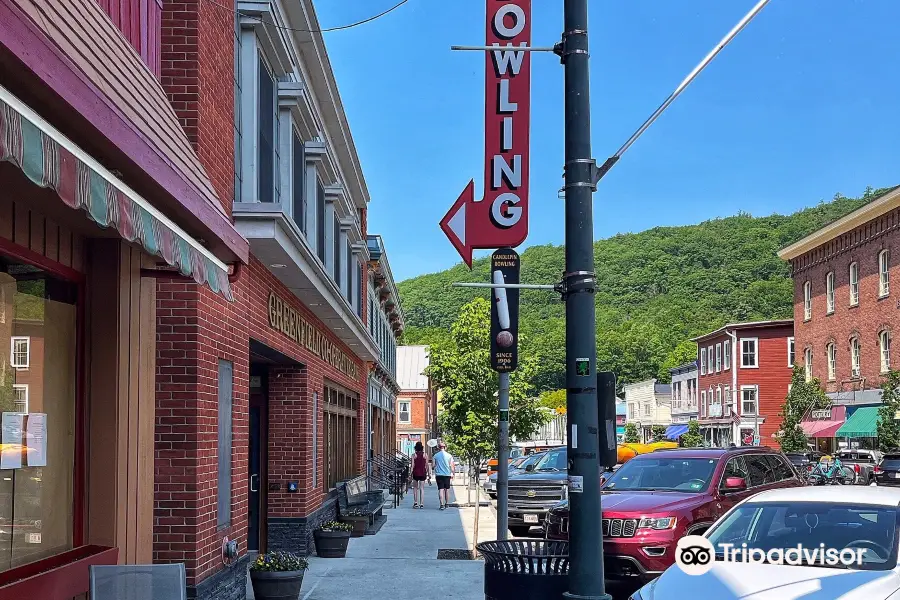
(657, 523)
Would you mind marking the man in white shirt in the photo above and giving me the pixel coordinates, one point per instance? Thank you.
(443, 471)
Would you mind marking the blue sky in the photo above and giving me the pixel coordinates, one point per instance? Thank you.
(803, 104)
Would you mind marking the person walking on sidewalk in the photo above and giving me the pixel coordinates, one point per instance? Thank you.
(420, 473)
(443, 471)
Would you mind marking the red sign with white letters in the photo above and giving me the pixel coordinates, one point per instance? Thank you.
(500, 217)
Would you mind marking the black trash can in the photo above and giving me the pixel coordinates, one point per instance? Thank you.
(525, 569)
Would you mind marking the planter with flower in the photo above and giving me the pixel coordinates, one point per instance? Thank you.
(331, 539)
(277, 575)
(358, 519)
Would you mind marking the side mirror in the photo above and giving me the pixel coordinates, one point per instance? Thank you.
(529, 468)
(735, 484)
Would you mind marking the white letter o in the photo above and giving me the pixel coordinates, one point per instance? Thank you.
(517, 12)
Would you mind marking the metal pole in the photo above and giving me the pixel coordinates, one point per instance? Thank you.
(503, 460)
(585, 534)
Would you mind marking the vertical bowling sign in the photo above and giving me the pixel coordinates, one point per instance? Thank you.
(504, 311)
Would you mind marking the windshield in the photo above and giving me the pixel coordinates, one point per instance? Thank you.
(552, 461)
(663, 473)
(531, 460)
(517, 463)
(813, 525)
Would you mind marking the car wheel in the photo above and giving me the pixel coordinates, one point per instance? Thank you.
(519, 530)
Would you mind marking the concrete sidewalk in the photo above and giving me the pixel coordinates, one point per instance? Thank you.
(400, 562)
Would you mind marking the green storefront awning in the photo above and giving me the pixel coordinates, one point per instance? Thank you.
(862, 424)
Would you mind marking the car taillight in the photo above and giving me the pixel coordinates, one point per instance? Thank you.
(809, 468)
(878, 469)
(856, 468)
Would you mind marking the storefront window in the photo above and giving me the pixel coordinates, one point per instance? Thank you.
(37, 414)
(340, 434)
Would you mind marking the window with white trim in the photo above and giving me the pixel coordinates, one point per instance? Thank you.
(403, 416)
(790, 349)
(829, 292)
(748, 353)
(854, 357)
(884, 339)
(647, 410)
(807, 301)
(854, 284)
(749, 400)
(718, 358)
(884, 275)
(709, 353)
(20, 397)
(703, 361)
(267, 182)
(726, 397)
(726, 355)
(20, 352)
(831, 350)
(703, 403)
(807, 363)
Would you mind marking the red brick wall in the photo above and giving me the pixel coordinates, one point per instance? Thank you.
(195, 328)
(418, 406)
(870, 317)
(198, 77)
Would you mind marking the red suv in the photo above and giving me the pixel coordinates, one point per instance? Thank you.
(655, 499)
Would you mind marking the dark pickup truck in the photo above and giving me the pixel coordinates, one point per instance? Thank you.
(533, 493)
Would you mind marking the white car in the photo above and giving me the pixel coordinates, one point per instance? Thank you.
(843, 518)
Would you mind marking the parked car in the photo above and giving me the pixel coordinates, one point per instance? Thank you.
(804, 461)
(832, 517)
(535, 491)
(516, 467)
(654, 499)
(862, 462)
(888, 471)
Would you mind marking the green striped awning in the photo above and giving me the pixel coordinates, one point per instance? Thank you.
(51, 160)
(862, 424)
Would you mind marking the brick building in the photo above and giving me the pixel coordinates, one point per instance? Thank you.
(417, 400)
(385, 320)
(846, 302)
(745, 371)
(102, 192)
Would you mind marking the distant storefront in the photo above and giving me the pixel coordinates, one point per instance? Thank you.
(822, 425)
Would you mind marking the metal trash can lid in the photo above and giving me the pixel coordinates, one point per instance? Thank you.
(526, 556)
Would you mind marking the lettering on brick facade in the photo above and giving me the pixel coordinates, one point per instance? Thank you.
(291, 323)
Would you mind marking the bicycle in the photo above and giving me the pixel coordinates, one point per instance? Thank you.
(830, 471)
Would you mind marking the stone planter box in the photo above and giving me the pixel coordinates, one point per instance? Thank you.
(331, 544)
(274, 585)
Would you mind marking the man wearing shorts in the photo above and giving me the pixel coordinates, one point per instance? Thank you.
(443, 471)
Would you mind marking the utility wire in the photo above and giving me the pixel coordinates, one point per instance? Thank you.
(326, 30)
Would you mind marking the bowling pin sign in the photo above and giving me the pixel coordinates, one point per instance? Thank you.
(505, 264)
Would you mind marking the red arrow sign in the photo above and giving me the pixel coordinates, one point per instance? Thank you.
(500, 218)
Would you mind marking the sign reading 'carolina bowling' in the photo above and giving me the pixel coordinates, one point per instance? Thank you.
(292, 324)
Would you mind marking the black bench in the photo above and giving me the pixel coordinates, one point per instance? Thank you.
(353, 496)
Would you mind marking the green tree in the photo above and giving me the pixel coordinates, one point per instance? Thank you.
(692, 439)
(460, 367)
(682, 354)
(888, 426)
(804, 396)
(555, 401)
(658, 433)
(631, 434)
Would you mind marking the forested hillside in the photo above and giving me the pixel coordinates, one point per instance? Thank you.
(657, 289)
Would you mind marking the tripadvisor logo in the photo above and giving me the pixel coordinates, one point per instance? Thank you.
(696, 555)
